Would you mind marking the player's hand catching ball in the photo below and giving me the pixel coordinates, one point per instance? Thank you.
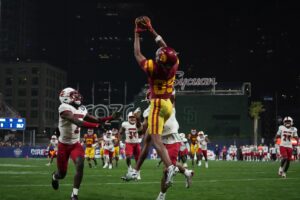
(143, 23)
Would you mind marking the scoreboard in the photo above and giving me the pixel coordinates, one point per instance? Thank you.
(13, 123)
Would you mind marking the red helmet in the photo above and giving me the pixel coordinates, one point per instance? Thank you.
(166, 56)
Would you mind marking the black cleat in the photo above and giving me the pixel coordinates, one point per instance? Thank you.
(55, 183)
(74, 197)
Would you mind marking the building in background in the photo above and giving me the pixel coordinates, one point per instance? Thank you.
(32, 88)
(18, 30)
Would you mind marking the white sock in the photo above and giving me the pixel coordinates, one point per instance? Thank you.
(187, 172)
(53, 177)
(162, 194)
(170, 167)
(75, 191)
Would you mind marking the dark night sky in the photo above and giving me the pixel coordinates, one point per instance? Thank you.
(234, 41)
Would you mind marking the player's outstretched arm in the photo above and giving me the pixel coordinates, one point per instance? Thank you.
(70, 117)
(158, 39)
(137, 49)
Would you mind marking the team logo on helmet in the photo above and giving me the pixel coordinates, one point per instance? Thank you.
(166, 56)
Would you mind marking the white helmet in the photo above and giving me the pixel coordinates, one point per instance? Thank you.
(108, 133)
(90, 131)
(288, 121)
(69, 96)
(193, 131)
(53, 137)
(131, 118)
(201, 133)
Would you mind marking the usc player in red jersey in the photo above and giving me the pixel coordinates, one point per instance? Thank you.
(90, 140)
(161, 75)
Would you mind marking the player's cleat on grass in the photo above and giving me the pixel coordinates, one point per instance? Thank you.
(131, 175)
(280, 171)
(74, 197)
(48, 164)
(172, 170)
(161, 196)
(110, 166)
(90, 165)
(199, 163)
(206, 165)
(283, 175)
(54, 182)
(188, 178)
(106, 165)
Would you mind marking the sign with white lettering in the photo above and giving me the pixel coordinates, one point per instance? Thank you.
(13, 123)
(182, 82)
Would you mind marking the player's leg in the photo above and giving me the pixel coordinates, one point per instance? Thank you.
(192, 153)
(144, 152)
(62, 160)
(129, 152)
(133, 174)
(111, 153)
(204, 152)
(173, 150)
(199, 157)
(117, 151)
(136, 153)
(93, 156)
(102, 156)
(289, 158)
(183, 158)
(160, 111)
(77, 155)
(283, 163)
(163, 186)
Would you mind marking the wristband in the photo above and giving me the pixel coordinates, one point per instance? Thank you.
(90, 124)
(158, 38)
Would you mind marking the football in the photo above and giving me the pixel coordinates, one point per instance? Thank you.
(143, 22)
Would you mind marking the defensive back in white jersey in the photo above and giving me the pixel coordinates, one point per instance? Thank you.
(131, 132)
(69, 132)
(286, 134)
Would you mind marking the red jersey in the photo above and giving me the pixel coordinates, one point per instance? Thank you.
(193, 138)
(160, 79)
(90, 139)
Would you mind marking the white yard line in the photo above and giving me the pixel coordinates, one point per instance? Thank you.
(16, 165)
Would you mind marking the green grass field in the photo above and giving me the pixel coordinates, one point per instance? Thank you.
(30, 179)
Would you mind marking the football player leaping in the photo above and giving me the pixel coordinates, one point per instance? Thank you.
(72, 116)
(172, 141)
(286, 132)
(161, 75)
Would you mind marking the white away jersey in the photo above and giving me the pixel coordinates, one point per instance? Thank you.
(108, 143)
(202, 142)
(131, 132)
(286, 134)
(69, 132)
